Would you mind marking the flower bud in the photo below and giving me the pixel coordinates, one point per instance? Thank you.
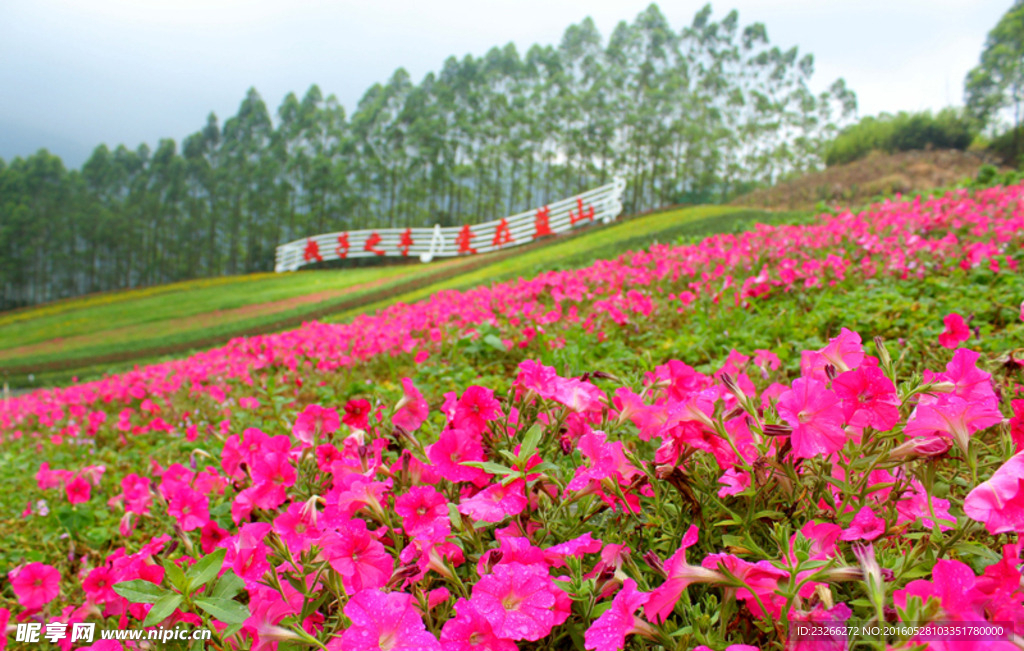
(918, 447)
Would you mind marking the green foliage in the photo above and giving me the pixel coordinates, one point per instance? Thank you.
(997, 82)
(692, 114)
(949, 129)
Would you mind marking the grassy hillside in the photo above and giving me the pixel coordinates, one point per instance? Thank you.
(92, 335)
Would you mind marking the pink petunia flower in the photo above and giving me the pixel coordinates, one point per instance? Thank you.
(358, 557)
(315, 421)
(679, 574)
(357, 414)
(384, 622)
(518, 600)
(452, 448)
(78, 490)
(865, 526)
(412, 409)
(816, 417)
(475, 408)
(470, 631)
(999, 502)
(609, 631)
(419, 507)
(496, 502)
(952, 417)
(869, 398)
(956, 331)
(35, 585)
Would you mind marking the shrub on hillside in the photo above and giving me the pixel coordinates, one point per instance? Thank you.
(949, 129)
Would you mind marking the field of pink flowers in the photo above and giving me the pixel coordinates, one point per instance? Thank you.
(567, 461)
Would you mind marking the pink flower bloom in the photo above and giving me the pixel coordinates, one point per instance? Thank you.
(865, 526)
(190, 508)
(952, 417)
(384, 622)
(452, 448)
(98, 585)
(518, 600)
(956, 331)
(609, 631)
(734, 482)
(419, 507)
(412, 409)
(869, 398)
(357, 414)
(953, 584)
(475, 408)
(35, 585)
(816, 417)
(679, 575)
(918, 505)
(297, 527)
(136, 494)
(999, 502)
(470, 631)
(315, 421)
(78, 490)
(496, 502)
(762, 577)
(358, 557)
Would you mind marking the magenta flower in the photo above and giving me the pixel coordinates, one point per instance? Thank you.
(412, 409)
(952, 417)
(869, 398)
(452, 448)
(496, 502)
(189, 507)
(956, 331)
(475, 408)
(470, 631)
(999, 502)
(358, 557)
(98, 586)
(315, 421)
(78, 490)
(679, 574)
(35, 585)
(419, 507)
(953, 584)
(865, 526)
(518, 600)
(384, 622)
(816, 417)
(357, 414)
(609, 631)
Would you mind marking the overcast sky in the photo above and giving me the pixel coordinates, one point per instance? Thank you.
(77, 73)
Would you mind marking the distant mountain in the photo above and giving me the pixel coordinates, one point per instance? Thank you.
(22, 140)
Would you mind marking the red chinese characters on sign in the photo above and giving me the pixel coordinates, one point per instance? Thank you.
(312, 252)
(371, 242)
(464, 238)
(502, 235)
(580, 213)
(542, 223)
(342, 248)
(405, 241)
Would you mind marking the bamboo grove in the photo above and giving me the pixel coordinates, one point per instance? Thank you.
(686, 116)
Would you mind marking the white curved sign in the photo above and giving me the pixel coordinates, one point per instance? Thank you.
(603, 203)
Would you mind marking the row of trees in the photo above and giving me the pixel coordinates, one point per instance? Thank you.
(686, 116)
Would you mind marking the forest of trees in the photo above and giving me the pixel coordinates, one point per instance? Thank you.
(687, 116)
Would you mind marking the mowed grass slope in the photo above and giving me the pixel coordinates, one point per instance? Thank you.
(107, 332)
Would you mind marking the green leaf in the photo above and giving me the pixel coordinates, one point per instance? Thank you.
(174, 574)
(206, 568)
(530, 442)
(488, 466)
(226, 610)
(162, 608)
(140, 591)
(495, 342)
(75, 520)
(228, 586)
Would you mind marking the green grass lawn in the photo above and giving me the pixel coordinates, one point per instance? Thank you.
(80, 337)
